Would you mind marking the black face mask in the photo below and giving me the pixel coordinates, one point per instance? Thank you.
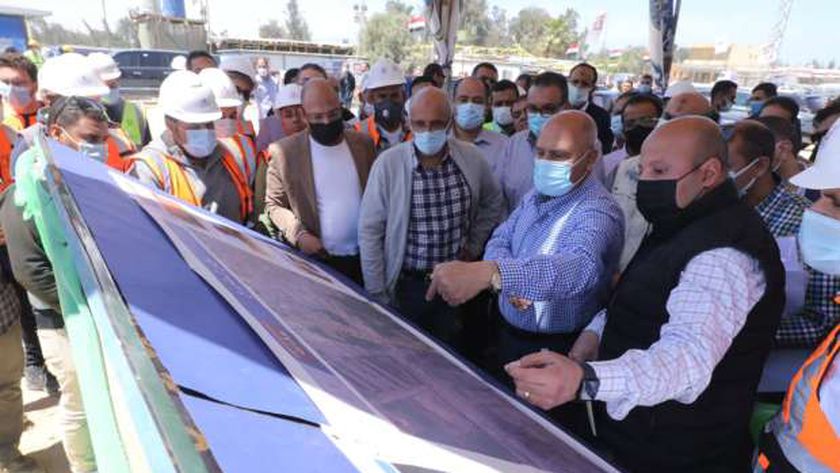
(657, 201)
(388, 113)
(634, 137)
(327, 134)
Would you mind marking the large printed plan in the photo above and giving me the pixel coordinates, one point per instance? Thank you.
(392, 397)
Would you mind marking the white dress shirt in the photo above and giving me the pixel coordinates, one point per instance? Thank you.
(339, 195)
(717, 290)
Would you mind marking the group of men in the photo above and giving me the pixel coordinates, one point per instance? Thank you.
(633, 262)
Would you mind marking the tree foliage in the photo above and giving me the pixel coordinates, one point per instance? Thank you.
(295, 23)
(124, 36)
(272, 30)
(386, 34)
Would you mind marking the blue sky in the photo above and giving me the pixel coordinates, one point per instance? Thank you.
(813, 31)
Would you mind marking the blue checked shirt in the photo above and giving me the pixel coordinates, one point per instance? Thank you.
(440, 210)
(782, 214)
(559, 253)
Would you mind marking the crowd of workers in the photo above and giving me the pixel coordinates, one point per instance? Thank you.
(631, 256)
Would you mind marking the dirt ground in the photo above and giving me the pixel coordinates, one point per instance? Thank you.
(42, 431)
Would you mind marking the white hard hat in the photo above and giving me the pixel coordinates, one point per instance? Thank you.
(185, 98)
(287, 96)
(70, 74)
(384, 74)
(105, 66)
(679, 87)
(825, 173)
(179, 63)
(222, 87)
(240, 64)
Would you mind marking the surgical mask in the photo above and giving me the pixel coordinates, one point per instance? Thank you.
(616, 125)
(727, 106)
(502, 116)
(327, 134)
(742, 191)
(112, 97)
(200, 143)
(469, 116)
(554, 178)
(430, 142)
(578, 95)
(94, 151)
(388, 113)
(657, 200)
(818, 237)
(755, 107)
(536, 122)
(644, 89)
(225, 127)
(262, 72)
(19, 97)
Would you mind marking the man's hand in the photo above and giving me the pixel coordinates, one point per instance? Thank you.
(585, 347)
(457, 282)
(310, 244)
(2, 237)
(546, 379)
(520, 304)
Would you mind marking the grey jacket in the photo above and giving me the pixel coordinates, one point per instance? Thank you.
(386, 208)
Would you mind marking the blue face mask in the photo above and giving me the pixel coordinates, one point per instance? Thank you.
(644, 89)
(818, 237)
(536, 122)
(469, 116)
(616, 125)
(430, 142)
(554, 178)
(755, 107)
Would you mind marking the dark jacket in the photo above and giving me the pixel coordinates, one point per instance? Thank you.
(602, 120)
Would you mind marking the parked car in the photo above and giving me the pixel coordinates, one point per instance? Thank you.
(143, 70)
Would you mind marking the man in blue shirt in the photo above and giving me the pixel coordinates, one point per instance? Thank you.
(553, 260)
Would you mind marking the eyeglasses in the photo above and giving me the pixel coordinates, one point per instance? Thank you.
(640, 122)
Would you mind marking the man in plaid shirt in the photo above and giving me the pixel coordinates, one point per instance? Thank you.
(751, 147)
(428, 201)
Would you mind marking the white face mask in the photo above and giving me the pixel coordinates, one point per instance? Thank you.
(502, 116)
(578, 95)
(225, 127)
(112, 97)
(200, 143)
(17, 97)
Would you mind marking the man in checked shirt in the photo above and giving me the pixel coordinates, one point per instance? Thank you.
(681, 345)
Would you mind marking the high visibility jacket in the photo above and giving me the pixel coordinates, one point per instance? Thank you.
(243, 150)
(120, 147)
(245, 127)
(369, 127)
(172, 177)
(800, 438)
(133, 123)
(20, 122)
(7, 137)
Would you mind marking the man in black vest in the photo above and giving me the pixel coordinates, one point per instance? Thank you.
(684, 338)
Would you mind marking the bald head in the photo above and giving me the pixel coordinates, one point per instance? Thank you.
(318, 96)
(429, 109)
(689, 103)
(571, 130)
(690, 150)
(570, 136)
(472, 90)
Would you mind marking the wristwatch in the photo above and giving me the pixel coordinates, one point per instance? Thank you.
(496, 280)
(589, 384)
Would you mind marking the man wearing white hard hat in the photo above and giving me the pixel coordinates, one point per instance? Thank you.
(384, 90)
(803, 437)
(129, 116)
(819, 246)
(187, 160)
(71, 75)
(241, 71)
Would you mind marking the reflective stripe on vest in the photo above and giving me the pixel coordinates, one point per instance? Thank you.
(132, 123)
(6, 176)
(802, 430)
(244, 127)
(243, 150)
(20, 122)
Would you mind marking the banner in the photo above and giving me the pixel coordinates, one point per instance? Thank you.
(663, 30)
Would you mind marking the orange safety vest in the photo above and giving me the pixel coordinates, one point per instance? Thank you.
(119, 147)
(373, 131)
(6, 172)
(20, 122)
(174, 174)
(802, 432)
(245, 153)
(245, 127)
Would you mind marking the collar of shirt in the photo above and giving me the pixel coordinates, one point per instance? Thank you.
(416, 164)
